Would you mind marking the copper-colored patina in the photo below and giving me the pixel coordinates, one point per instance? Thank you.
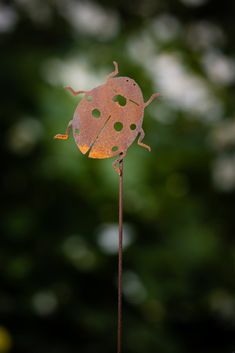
(106, 122)
(108, 118)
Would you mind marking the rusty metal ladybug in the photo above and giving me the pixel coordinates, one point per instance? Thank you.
(108, 118)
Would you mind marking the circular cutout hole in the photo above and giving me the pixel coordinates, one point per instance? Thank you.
(96, 113)
(118, 126)
(132, 126)
(114, 148)
(120, 100)
(77, 131)
(89, 98)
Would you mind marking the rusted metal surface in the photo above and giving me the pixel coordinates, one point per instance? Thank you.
(105, 123)
(109, 118)
(120, 239)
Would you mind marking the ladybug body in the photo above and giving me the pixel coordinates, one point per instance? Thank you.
(109, 117)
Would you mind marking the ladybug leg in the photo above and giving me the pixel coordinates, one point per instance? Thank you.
(115, 72)
(140, 143)
(153, 96)
(116, 163)
(66, 135)
(74, 93)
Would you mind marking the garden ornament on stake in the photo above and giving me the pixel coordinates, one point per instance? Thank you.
(105, 123)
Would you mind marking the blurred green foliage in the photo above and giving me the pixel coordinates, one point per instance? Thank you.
(58, 258)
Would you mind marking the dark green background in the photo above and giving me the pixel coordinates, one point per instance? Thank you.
(58, 262)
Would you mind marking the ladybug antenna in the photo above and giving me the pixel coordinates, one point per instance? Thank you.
(115, 72)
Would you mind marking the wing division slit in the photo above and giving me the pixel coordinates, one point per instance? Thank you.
(100, 131)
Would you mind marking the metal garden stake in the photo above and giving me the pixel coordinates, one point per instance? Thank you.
(105, 123)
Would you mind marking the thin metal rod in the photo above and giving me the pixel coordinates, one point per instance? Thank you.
(119, 333)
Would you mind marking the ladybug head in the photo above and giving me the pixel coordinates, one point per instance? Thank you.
(128, 88)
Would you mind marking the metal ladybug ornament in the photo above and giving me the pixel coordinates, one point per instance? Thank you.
(108, 118)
